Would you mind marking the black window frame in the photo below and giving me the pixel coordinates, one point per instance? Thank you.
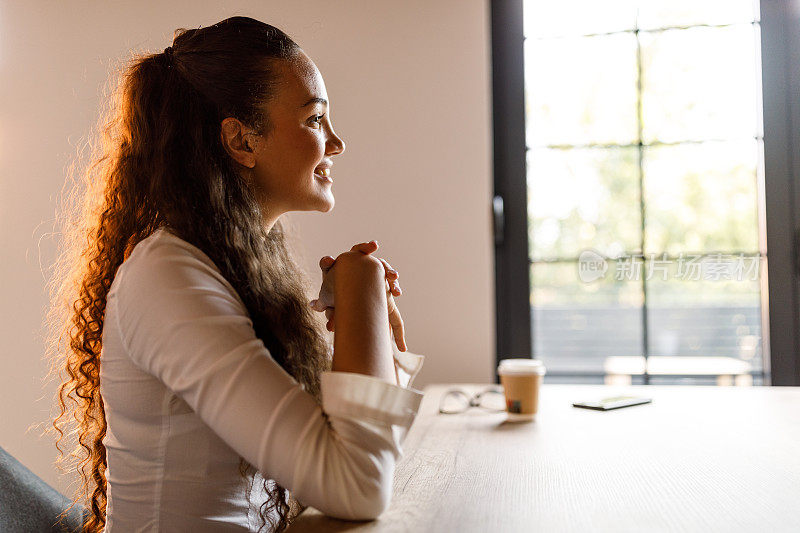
(780, 49)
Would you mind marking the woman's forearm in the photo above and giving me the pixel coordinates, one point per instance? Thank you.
(362, 342)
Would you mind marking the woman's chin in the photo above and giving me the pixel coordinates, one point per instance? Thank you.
(327, 204)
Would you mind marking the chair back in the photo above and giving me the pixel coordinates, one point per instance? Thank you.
(29, 504)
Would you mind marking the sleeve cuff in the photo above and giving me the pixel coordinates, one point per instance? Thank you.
(358, 396)
(407, 365)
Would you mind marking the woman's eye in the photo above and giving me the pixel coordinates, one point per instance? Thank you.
(317, 118)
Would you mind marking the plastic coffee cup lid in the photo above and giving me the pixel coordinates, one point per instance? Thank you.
(521, 366)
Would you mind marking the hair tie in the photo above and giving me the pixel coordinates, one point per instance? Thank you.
(168, 54)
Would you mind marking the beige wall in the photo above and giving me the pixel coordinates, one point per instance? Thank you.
(410, 91)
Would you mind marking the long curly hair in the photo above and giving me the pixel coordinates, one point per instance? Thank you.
(158, 161)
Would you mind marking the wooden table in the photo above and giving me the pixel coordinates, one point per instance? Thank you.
(696, 459)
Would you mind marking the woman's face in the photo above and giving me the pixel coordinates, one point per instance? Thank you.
(293, 160)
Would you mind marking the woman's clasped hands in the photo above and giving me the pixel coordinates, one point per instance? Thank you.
(325, 301)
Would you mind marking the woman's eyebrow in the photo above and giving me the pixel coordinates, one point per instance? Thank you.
(315, 100)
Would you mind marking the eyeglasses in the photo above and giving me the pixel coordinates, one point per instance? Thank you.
(456, 401)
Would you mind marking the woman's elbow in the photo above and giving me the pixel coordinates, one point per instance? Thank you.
(364, 492)
(370, 505)
(349, 474)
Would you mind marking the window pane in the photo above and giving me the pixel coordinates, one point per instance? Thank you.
(581, 90)
(666, 13)
(578, 324)
(582, 199)
(706, 306)
(699, 84)
(700, 151)
(701, 197)
(545, 18)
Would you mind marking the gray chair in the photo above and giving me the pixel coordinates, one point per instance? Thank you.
(29, 505)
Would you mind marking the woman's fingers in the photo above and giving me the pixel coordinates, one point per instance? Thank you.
(326, 263)
(391, 274)
(388, 268)
(391, 278)
(393, 286)
(365, 247)
(396, 322)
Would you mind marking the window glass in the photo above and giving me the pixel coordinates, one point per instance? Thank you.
(645, 162)
(702, 197)
(699, 83)
(578, 17)
(581, 198)
(581, 90)
(671, 13)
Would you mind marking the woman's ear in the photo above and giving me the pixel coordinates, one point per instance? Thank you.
(236, 142)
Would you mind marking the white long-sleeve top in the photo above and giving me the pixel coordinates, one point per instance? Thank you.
(188, 388)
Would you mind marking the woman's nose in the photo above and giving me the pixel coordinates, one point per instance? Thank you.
(335, 144)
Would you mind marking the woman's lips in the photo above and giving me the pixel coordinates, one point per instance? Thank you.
(323, 174)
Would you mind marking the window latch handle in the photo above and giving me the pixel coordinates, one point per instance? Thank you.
(498, 216)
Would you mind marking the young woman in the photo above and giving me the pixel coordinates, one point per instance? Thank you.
(197, 371)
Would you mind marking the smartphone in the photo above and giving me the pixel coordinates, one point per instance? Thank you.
(606, 404)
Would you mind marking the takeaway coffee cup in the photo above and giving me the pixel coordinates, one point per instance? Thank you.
(521, 380)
